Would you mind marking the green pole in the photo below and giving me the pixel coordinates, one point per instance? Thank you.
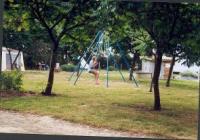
(128, 66)
(119, 70)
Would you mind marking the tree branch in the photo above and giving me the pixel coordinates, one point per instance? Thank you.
(38, 16)
(68, 29)
(173, 27)
(72, 37)
(57, 22)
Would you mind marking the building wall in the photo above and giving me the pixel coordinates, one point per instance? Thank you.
(148, 67)
(166, 70)
(3, 66)
(162, 71)
(179, 67)
(20, 59)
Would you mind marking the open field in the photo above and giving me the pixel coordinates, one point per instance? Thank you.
(122, 106)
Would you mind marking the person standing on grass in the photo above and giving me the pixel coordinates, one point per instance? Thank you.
(93, 68)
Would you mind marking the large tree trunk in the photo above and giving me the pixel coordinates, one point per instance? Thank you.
(78, 70)
(135, 58)
(151, 85)
(158, 62)
(48, 90)
(170, 71)
(131, 72)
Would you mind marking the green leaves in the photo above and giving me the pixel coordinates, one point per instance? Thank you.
(165, 24)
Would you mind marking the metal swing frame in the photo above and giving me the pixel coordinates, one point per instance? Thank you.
(96, 47)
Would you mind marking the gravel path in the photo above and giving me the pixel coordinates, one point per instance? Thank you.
(11, 122)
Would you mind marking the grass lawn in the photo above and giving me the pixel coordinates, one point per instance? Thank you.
(122, 106)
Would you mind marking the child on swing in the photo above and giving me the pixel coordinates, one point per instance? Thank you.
(94, 65)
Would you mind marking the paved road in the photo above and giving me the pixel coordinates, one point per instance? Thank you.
(11, 122)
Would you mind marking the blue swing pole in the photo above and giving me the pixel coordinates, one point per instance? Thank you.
(93, 41)
(122, 54)
(108, 55)
(118, 69)
(127, 64)
(97, 46)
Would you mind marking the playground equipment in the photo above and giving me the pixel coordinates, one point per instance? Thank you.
(100, 46)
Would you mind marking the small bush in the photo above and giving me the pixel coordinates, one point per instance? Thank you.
(11, 80)
(111, 68)
(68, 67)
(189, 74)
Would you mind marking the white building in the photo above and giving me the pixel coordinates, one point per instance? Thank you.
(6, 65)
(148, 64)
(179, 67)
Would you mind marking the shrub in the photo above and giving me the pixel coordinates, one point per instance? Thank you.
(189, 74)
(11, 80)
(111, 68)
(68, 67)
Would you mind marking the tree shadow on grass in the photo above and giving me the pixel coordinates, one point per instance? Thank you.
(167, 112)
(13, 93)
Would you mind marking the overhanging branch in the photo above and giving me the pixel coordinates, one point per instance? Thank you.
(70, 28)
(57, 22)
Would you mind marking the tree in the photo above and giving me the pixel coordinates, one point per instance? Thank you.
(133, 40)
(142, 46)
(164, 22)
(58, 19)
(173, 53)
(176, 53)
(189, 57)
(192, 48)
(15, 40)
(15, 27)
(184, 46)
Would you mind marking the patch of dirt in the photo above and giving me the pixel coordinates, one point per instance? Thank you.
(12, 93)
(12, 122)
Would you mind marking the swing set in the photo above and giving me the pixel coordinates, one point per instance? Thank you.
(100, 46)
